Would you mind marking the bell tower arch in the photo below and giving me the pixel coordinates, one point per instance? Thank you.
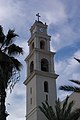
(41, 77)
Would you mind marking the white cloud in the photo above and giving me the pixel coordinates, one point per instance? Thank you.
(56, 41)
(77, 54)
(67, 70)
(20, 14)
(65, 36)
(17, 102)
(53, 12)
(60, 66)
(13, 11)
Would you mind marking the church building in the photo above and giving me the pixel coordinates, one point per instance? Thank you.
(41, 77)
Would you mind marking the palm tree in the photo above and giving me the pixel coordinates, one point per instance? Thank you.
(72, 88)
(62, 111)
(10, 66)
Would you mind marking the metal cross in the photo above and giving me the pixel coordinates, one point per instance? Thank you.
(38, 16)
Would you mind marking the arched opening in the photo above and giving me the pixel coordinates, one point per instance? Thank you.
(44, 65)
(42, 44)
(45, 86)
(31, 66)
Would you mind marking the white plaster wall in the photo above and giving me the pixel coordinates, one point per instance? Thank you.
(40, 89)
(32, 84)
(32, 116)
(76, 98)
(38, 95)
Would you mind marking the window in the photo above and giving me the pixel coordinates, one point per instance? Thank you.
(32, 45)
(30, 90)
(31, 66)
(44, 65)
(46, 97)
(45, 86)
(42, 44)
(31, 101)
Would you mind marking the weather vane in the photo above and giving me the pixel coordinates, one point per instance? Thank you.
(38, 16)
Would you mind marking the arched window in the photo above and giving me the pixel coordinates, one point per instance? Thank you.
(42, 44)
(44, 65)
(45, 86)
(31, 66)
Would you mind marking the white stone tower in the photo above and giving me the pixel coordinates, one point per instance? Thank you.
(41, 77)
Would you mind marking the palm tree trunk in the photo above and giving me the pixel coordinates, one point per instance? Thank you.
(3, 114)
(2, 104)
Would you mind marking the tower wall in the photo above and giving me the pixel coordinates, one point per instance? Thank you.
(41, 77)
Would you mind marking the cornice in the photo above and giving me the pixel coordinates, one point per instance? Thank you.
(41, 51)
(40, 73)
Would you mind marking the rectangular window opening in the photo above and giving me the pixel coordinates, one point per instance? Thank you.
(46, 97)
(30, 90)
(31, 101)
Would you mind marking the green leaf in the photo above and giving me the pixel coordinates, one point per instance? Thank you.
(77, 59)
(2, 36)
(16, 63)
(75, 81)
(10, 36)
(70, 88)
(13, 49)
(67, 107)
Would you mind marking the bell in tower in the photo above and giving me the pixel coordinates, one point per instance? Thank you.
(41, 77)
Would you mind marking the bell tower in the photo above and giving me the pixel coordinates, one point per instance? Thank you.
(41, 77)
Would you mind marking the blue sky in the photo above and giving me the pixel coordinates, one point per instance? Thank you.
(63, 20)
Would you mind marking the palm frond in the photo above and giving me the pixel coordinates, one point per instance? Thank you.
(77, 59)
(69, 88)
(57, 114)
(9, 62)
(50, 111)
(58, 109)
(68, 109)
(44, 110)
(9, 66)
(13, 49)
(53, 115)
(16, 63)
(9, 38)
(75, 114)
(2, 36)
(75, 81)
(14, 78)
(64, 105)
(4, 57)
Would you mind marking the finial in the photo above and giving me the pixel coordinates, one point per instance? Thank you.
(38, 16)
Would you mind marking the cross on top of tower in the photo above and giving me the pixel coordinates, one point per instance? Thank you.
(38, 16)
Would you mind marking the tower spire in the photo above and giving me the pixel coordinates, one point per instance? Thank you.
(38, 16)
